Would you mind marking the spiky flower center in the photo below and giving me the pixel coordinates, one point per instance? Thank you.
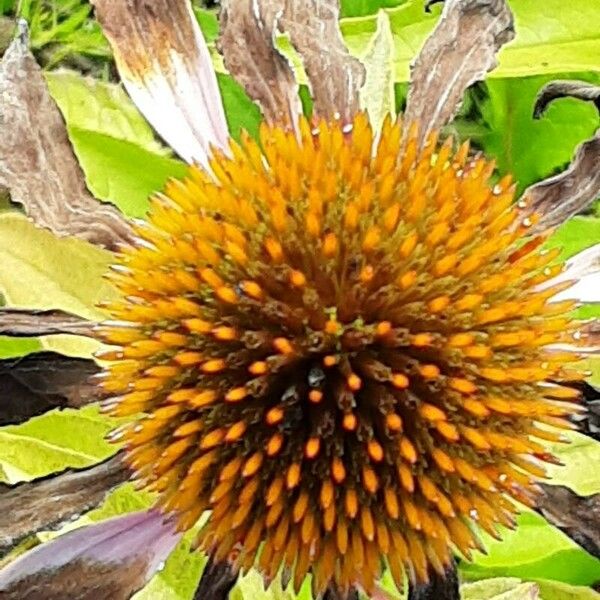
(341, 349)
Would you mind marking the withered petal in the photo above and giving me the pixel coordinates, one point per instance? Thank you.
(37, 163)
(18, 322)
(577, 516)
(247, 39)
(49, 502)
(111, 559)
(556, 199)
(42, 381)
(583, 270)
(461, 50)
(334, 75)
(166, 67)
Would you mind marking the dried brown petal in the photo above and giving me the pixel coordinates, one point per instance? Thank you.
(248, 29)
(577, 516)
(39, 382)
(49, 502)
(335, 76)
(461, 50)
(37, 163)
(167, 70)
(557, 198)
(17, 322)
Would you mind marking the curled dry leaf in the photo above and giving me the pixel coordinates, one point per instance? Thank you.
(557, 198)
(334, 75)
(48, 503)
(248, 29)
(461, 50)
(39, 382)
(17, 322)
(167, 70)
(577, 516)
(565, 89)
(37, 163)
(111, 559)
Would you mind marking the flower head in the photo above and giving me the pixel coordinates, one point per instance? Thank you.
(343, 349)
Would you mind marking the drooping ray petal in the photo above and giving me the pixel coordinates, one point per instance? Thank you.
(113, 559)
(49, 502)
(17, 322)
(41, 381)
(557, 198)
(583, 270)
(248, 29)
(166, 67)
(460, 50)
(37, 163)
(334, 75)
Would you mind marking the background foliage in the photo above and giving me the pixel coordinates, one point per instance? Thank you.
(124, 162)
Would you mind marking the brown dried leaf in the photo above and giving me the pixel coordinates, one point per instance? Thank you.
(557, 198)
(248, 29)
(577, 516)
(39, 382)
(460, 50)
(49, 502)
(37, 163)
(17, 322)
(335, 76)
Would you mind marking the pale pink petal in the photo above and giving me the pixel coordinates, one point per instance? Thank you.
(115, 557)
(166, 67)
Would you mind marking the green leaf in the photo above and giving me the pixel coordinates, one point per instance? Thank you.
(122, 172)
(13, 347)
(240, 111)
(53, 442)
(356, 8)
(535, 550)
(527, 148)
(377, 95)
(553, 590)
(93, 105)
(580, 458)
(39, 270)
(503, 588)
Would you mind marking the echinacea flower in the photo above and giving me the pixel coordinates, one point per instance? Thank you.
(342, 343)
